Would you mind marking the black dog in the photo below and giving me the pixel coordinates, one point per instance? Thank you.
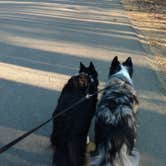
(115, 121)
(70, 130)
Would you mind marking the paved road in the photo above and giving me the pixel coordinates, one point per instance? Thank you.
(41, 45)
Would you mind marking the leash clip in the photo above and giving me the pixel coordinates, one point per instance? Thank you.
(88, 96)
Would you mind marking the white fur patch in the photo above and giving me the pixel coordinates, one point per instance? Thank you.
(125, 73)
(126, 160)
(87, 140)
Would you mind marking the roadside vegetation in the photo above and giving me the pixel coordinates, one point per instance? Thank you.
(149, 17)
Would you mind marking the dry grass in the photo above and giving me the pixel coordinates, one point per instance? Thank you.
(149, 16)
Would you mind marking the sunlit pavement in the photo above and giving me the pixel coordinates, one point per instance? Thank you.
(41, 45)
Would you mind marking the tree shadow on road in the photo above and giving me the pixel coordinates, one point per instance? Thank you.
(54, 37)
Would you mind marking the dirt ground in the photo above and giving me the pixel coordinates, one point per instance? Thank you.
(149, 17)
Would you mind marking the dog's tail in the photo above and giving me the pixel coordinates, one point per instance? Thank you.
(101, 157)
(126, 159)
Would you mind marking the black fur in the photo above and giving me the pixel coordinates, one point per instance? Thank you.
(70, 130)
(115, 122)
(129, 65)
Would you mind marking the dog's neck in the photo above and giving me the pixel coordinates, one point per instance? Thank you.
(123, 75)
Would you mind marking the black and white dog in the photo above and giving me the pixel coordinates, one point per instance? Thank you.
(71, 129)
(115, 120)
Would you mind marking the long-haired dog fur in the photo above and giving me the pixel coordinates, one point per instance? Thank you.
(70, 130)
(115, 119)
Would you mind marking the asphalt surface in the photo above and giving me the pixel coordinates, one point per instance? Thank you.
(41, 45)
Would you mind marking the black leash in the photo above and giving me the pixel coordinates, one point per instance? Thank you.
(15, 141)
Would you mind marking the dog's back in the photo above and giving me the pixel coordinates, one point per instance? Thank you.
(70, 130)
(115, 126)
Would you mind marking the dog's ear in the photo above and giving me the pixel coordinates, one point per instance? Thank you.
(82, 67)
(129, 64)
(115, 62)
(91, 66)
(115, 66)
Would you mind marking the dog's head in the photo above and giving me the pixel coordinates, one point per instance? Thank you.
(125, 68)
(85, 79)
(79, 82)
(90, 71)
